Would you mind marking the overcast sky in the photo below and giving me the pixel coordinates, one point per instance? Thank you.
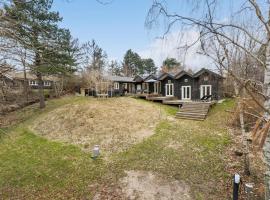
(119, 26)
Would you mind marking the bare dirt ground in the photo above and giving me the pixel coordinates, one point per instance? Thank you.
(145, 185)
(149, 186)
(114, 124)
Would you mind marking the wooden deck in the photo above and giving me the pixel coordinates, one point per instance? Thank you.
(160, 98)
(182, 102)
(143, 96)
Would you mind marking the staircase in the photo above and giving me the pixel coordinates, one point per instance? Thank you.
(193, 110)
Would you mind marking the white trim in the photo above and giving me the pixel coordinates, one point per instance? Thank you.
(33, 83)
(184, 92)
(170, 92)
(203, 91)
(116, 85)
(157, 87)
(47, 83)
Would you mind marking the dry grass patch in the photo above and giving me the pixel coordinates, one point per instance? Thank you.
(114, 124)
(147, 185)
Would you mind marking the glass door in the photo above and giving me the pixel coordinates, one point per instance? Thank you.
(186, 92)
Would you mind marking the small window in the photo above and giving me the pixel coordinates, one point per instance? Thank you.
(47, 83)
(186, 80)
(169, 81)
(205, 78)
(116, 86)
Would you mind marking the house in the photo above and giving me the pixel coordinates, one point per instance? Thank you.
(186, 86)
(181, 85)
(17, 80)
(121, 85)
(208, 83)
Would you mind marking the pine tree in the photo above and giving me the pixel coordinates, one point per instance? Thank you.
(35, 28)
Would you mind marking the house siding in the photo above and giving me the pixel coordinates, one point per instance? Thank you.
(215, 81)
(181, 82)
(163, 84)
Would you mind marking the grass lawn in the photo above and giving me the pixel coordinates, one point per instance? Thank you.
(45, 154)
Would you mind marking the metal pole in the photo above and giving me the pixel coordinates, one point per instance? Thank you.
(236, 183)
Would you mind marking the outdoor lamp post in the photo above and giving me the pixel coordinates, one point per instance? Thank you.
(96, 151)
(236, 183)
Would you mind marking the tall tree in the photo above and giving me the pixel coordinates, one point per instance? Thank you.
(34, 27)
(114, 68)
(132, 64)
(95, 56)
(170, 64)
(149, 66)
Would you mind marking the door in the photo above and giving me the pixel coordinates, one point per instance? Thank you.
(186, 92)
(169, 89)
(139, 88)
(206, 90)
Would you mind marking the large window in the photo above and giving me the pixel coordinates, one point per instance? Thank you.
(186, 92)
(145, 87)
(157, 87)
(116, 86)
(169, 89)
(205, 90)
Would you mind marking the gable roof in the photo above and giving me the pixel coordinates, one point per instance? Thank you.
(30, 76)
(165, 75)
(120, 78)
(151, 76)
(200, 72)
(138, 78)
(182, 73)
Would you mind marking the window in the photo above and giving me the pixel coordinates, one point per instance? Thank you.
(205, 78)
(186, 92)
(33, 83)
(169, 81)
(47, 83)
(156, 87)
(169, 88)
(116, 86)
(186, 80)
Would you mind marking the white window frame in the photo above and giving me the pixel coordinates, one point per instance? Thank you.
(184, 92)
(201, 90)
(47, 83)
(33, 83)
(116, 85)
(170, 92)
(139, 88)
(156, 87)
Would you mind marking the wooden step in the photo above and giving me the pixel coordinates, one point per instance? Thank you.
(195, 106)
(194, 109)
(190, 117)
(193, 114)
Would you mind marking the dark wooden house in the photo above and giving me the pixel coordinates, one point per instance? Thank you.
(186, 86)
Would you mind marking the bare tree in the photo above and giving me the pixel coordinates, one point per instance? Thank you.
(248, 18)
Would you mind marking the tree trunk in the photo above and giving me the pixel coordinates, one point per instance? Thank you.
(243, 131)
(25, 84)
(40, 91)
(267, 106)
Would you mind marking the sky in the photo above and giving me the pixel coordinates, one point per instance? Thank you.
(119, 26)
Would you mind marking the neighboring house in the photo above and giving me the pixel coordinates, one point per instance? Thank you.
(16, 80)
